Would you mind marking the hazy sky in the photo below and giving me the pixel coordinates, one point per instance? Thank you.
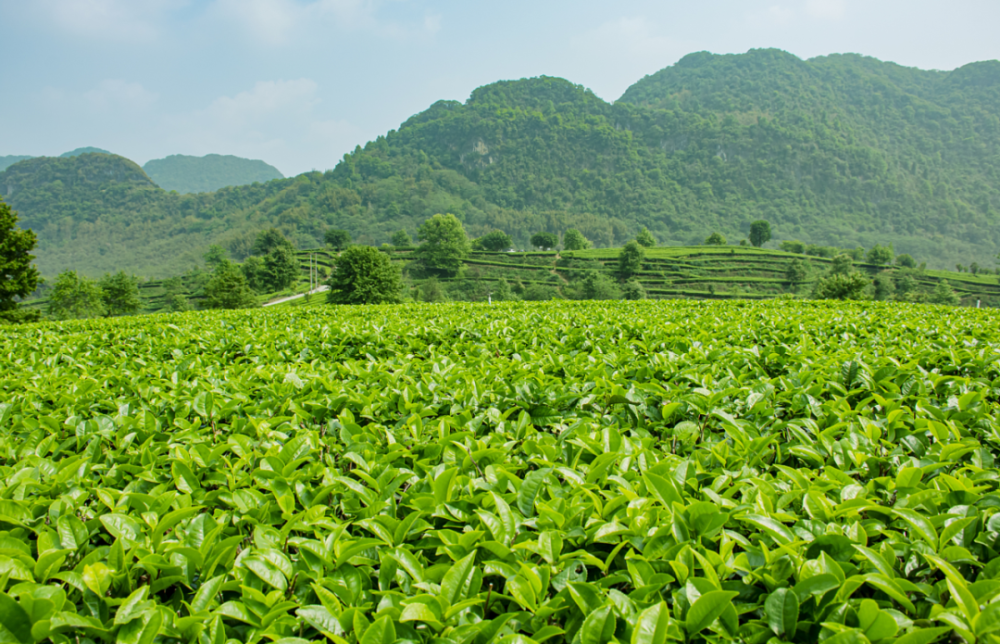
(298, 83)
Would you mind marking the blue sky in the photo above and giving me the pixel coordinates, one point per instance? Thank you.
(298, 83)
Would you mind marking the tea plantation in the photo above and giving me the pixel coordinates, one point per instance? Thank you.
(579, 472)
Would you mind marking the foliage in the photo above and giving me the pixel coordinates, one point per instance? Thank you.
(906, 261)
(458, 473)
(503, 292)
(630, 259)
(401, 239)
(841, 286)
(633, 290)
(268, 240)
(227, 288)
(884, 287)
(364, 275)
(599, 286)
(208, 173)
(495, 240)
(336, 238)
(255, 272)
(74, 296)
(842, 265)
(793, 246)
(444, 246)
(544, 241)
(540, 293)
(573, 239)
(645, 238)
(18, 277)
(715, 239)
(943, 294)
(120, 294)
(760, 232)
(281, 268)
(431, 291)
(880, 255)
(797, 271)
(215, 255)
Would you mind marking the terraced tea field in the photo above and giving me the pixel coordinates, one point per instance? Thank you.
(635, 472)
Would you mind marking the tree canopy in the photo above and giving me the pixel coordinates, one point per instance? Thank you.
(18, 277)
(760, 232)
(544, 241)
(74, 296)
(228, 288)
(573, 239)
(120, 294)
(630, 259)
(363, 275)
(444, 246)
(337, 238)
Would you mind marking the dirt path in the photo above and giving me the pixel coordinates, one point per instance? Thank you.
(280, 300)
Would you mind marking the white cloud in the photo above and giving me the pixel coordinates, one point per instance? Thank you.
(133, 21)
(116, 93)
(266, 99)
(826, 9)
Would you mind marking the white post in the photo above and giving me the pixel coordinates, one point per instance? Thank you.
(977, 304)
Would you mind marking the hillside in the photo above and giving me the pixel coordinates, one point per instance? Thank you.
(186, 174)
(7, 161)
(839, 150)
(87, 150)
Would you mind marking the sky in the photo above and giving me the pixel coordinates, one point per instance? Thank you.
(298, 83)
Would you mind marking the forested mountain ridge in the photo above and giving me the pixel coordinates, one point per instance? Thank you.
(187, 174)
(840, 150)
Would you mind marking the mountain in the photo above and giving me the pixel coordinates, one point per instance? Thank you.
(6, 162)
(839, 150)
(186, 174)
(88, 150)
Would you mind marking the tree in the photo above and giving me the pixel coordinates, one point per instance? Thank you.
(598, 286)
(504, 292)
(793, 246)
(974, 268)
(841, 286)
(18, 278)
(646, 238)
(120, 294)
(544, 241)
(906, 261)
(541, 293)
(269, 239)
(74, 296)
(175, 295)
(337, 239)
(444, 246)
(842, 265)
(255, 273)
(760, 233)
(880, 255)
(715, 239)
(630, 259)
(401, 239)
(944, 294)
(363, 275)
(228, 288)
(573, 239)
(281, 268)
(495, 240)
(633, 290)
(431, 291)
(215, 255)
(797, 272)
(884, 288)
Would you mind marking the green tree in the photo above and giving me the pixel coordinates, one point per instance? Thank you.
(598, 286)
(281, 268)
(431, 291)
(401, 239)
(905, 284)
(337, 239)
(760, 232)
(544, 241)
(215, 255)
(120, 294)
(255, 273)
(541, 293)
(444, 246)
(504, 292)
(944, 294)
(646, 238)
(884, 288)
(796, 271)
(842, 265)
(841, 286)
(18, 278)
(227, 288)
(792, 246)
(175, 296)
(573, 239)
(880, 255)
(715, 239)
(495, 240)
(363, 275)
(906, 261)
(269, 239)
(74, 296)
(974, 268)
(630, 259)
(633, 290)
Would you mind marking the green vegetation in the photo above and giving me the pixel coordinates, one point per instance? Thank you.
(337, 239)
(838, 151)
(602, 472)
(7, 161)
(18, 277)
(74, 296)
(185, 174)
(85, 150)
(364, 275)
(444, 245)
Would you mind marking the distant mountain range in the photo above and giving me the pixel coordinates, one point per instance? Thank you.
(186, 174)
(840, 150)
